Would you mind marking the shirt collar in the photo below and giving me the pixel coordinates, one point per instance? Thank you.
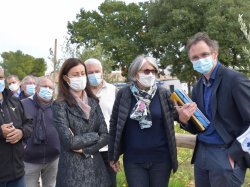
(18, 92)
(212, 77)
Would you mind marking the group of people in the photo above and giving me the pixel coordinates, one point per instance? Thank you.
(77, 138)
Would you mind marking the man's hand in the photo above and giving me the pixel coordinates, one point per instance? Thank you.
(80, 151)
(186, 111)
(14, 136)
(115, 165)
(231, 161)
(7, 128)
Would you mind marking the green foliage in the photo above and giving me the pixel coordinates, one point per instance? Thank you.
(182, 19)
(97, 52)
(161, 28)
(119, 28)
(246, 50)
(21, 64)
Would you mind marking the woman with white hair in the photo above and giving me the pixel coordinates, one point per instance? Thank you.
(142, 128)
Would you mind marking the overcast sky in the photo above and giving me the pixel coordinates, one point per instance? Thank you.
(32, 25)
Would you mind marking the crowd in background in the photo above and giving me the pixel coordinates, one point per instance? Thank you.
(76, 138)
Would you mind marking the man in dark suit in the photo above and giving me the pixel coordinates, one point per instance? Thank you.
(223, 95)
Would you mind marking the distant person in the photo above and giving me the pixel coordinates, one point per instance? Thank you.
(28, 86)
(223, 95)
(15, 86)
(15, 127)
(142, 128)
(43, 148)
(81, 128)
(105, 92)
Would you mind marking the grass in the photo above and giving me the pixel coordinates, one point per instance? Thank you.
(184, 176)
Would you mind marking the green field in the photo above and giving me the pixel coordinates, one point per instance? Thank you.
(184, 176)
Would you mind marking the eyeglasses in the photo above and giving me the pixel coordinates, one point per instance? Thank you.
(148, 71)
(203, 55)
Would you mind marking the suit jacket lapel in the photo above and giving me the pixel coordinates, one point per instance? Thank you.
(200, 93)
(218, 78)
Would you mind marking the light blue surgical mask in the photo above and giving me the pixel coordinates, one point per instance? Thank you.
(95, 79)
(30, 89)
(203, 65)
(2, 85)
(45, 93)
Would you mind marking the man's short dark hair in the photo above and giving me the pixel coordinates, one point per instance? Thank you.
(202, 36)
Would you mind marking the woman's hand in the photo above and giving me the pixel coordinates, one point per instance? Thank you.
(186, 111)
(115, 165)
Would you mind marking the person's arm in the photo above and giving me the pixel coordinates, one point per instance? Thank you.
(114, 164)
(67, 139)
(103, 134)
(27, 126)
(241, 96)
(113, 126)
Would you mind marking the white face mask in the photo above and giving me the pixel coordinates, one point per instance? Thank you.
(146, 80)
(78, 83)
(14, 87)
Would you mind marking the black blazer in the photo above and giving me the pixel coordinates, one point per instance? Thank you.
(230, 108)
(119, 117)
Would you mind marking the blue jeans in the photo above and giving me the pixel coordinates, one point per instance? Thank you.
(15, 183)
(147, 174)
(213, 169)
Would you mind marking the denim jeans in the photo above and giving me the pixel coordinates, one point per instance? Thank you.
(15, 183)
(213, 169)
(47, 172)
(147, 174)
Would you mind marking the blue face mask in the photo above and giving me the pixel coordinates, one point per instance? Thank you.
(95, 79)
(203, 65)
(45, 93)
(30, 89)
(2, 85)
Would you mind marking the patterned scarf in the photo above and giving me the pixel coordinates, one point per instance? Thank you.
(141, 112)
(82, 102)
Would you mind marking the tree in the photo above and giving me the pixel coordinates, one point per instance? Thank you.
(246, 33)
(97, 52)
(21, 64)
(84, 53)
(171, 23)
(120, 29)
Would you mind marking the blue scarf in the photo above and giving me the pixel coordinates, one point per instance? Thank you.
(141, 112)
(39, 121)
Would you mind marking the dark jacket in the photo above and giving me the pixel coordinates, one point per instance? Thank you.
(76, 132)
(48, 150)
(230, 108)
(119, 117)
(11, 155)
(22, 95)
